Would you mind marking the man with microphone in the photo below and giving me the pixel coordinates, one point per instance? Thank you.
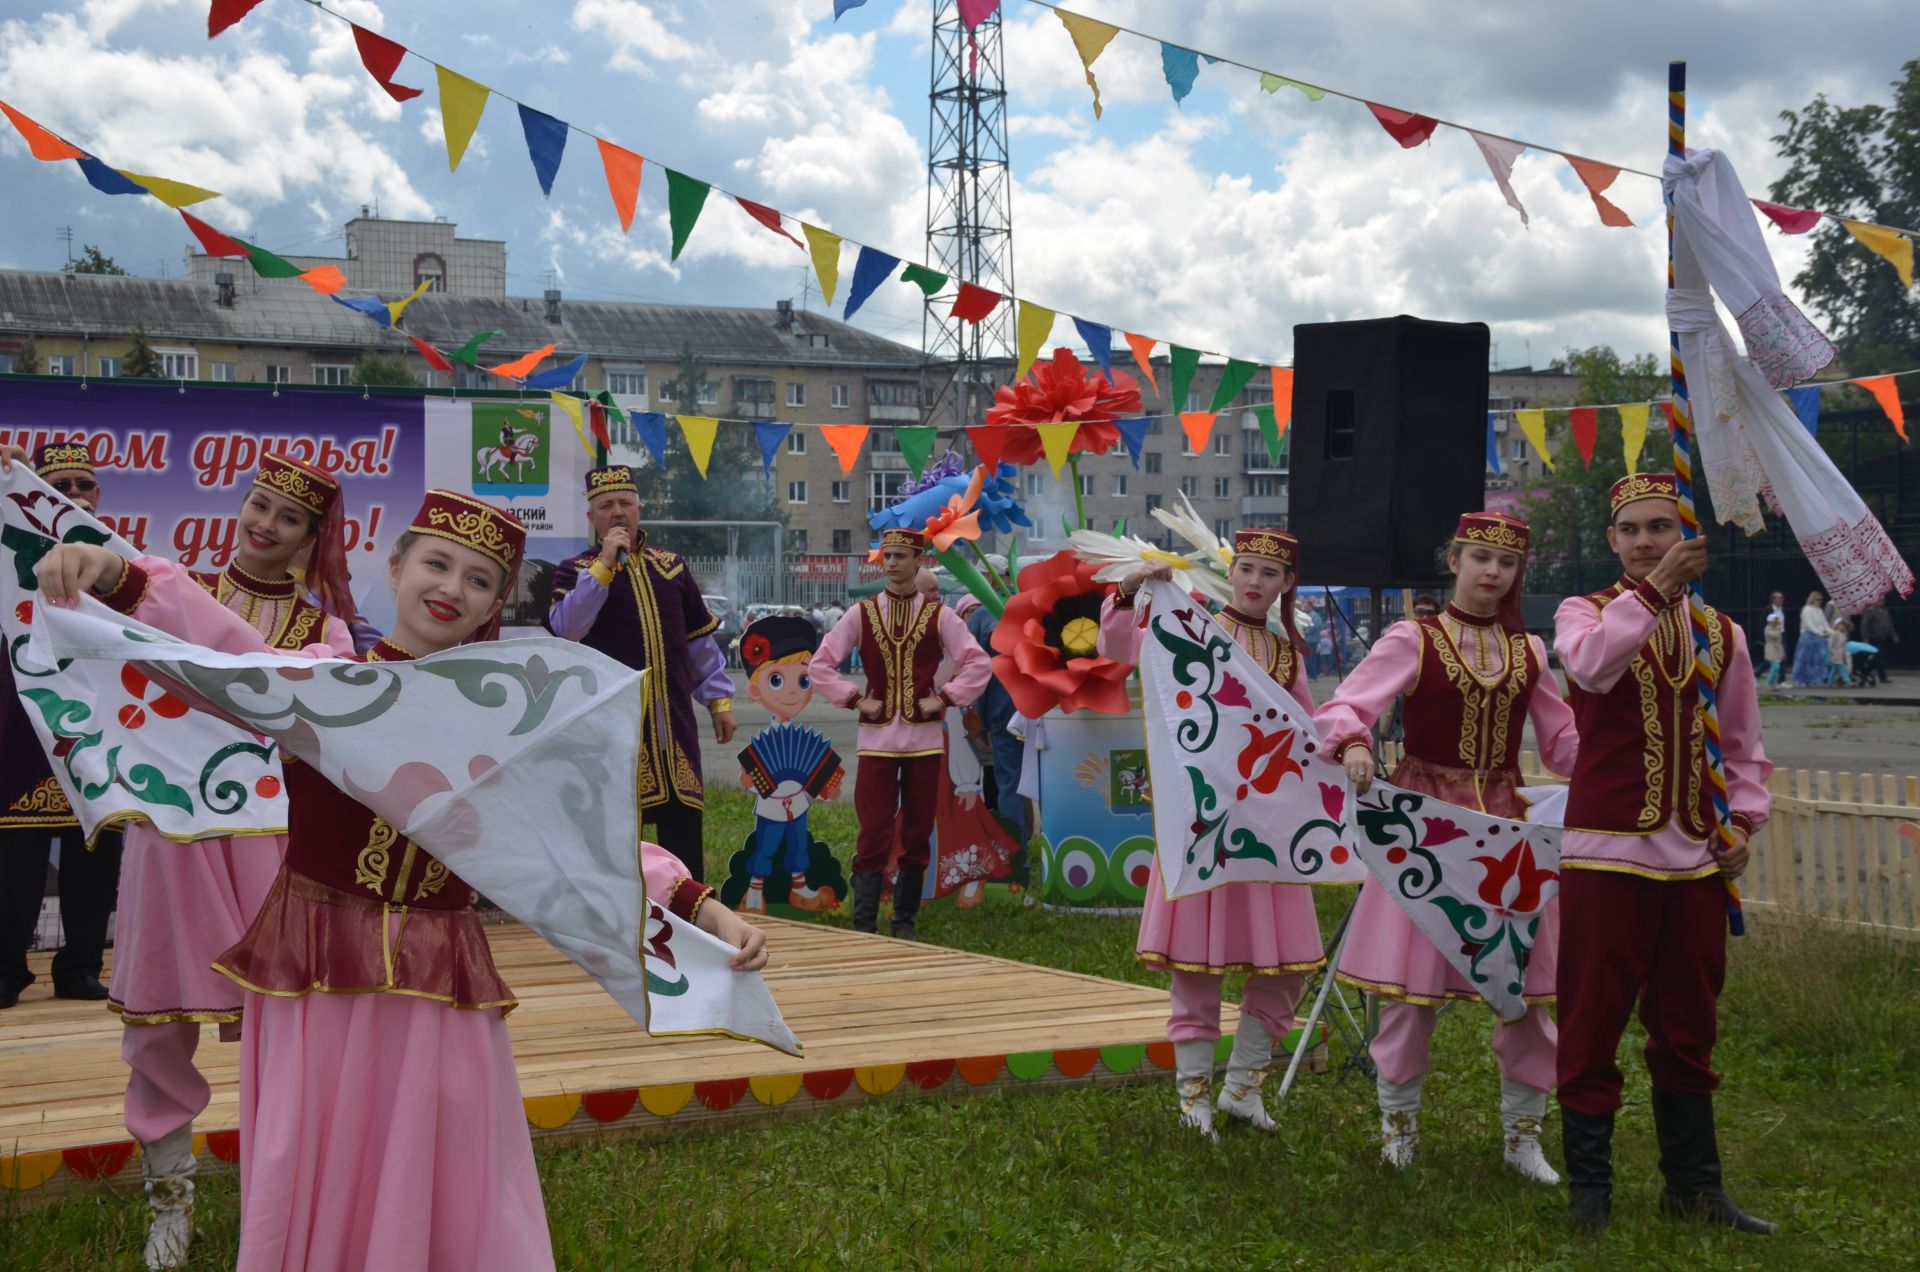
(641, 605)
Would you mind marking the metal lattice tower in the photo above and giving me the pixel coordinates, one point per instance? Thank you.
(969, 215)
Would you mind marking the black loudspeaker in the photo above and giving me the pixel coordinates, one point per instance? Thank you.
(1389, 445)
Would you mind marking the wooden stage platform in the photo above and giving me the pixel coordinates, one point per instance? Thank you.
(878, 1019)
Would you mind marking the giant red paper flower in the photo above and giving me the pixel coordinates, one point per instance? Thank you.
(1055, 392)
(1046, 654)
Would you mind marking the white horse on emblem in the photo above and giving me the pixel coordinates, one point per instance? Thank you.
(489, 458)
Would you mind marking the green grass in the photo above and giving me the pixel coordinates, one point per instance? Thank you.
(1820, 1040)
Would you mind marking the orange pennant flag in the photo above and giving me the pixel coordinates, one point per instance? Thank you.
(41, 143)
(846, 440)
(1199, 426)
(1282, 398)
(521, 368)
(325, 279)
(623, 180)
(1142, 347)
(1887, 394)
(1597, 177)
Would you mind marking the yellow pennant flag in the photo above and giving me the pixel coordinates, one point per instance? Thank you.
(1534, 425)
(1090, 40)
(397, 307)
(461, 101)
(1891, 244)
(175, 194)
(1034, 326)
(1056, 440)
(699, 430)
(571, 405)
(824, 247)
(1633, 433)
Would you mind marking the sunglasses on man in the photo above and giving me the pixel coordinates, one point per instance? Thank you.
(76, 486)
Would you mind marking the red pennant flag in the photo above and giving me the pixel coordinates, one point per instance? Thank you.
(435, 359)
(988, 441)
(1282, 398)
(1403, 126)
(1792, 220)
(1142, 347)
(1586, 430)
(212, 241)
(597, 421)
(224, 13)
(381, 57)
(1597, 177)
(974, 303)
(623, 180)
(41, 143)
(1887, 394)
(769, 218)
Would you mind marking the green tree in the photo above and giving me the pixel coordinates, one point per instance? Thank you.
(27, 360)
(1862, 162)
(733, 489)
(141, 362)
(92, 261)
(381, 369)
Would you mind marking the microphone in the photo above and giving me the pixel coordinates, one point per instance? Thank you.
(620, 559)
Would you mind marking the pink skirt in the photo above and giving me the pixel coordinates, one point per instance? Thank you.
(381, 1132)
(1260, 928)
(181, 907)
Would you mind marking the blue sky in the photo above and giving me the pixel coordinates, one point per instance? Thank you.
(1220, 222)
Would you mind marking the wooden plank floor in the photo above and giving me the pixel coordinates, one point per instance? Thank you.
(876, 1018)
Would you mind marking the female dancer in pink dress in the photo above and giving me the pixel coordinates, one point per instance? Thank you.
(1266, 930)
(381, 1124)
(1472, 677)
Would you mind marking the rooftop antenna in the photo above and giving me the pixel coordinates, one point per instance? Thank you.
(65, 234)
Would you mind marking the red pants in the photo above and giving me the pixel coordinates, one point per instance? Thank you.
(1623, 936)
(895, 792)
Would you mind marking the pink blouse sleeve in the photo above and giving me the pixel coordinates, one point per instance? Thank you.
(1552, 719)
(1387, 671)
(336, 640)
(161, 594)
(1122, 628)
(1596, 645)
(669, 884)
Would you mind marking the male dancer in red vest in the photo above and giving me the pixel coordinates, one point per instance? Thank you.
(1642, 898)
(901, 636)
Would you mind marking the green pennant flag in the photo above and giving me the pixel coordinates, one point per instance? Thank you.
(614, 414)
(1184, 361)
(469, 352)
(925, 279)
(266, 264)
(685, 198)
(1269, 431)
(916, 443)
(1233, 380)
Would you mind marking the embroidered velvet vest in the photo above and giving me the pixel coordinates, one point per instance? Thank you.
(1274, 652)
(1459, 718)
(298, 622)
(899, 654)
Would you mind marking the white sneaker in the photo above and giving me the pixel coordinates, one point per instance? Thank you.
(1521, 1109)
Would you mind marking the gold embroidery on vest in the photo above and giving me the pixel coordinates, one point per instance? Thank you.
(1654, 759)
(896, 651)
(299, 627)
(663, 769)
(45, 797)
(431, 882)
(1486, 710)
(370, 867)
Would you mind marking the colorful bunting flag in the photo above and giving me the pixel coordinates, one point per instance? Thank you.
(1184, 362)
(461, 102)
(557, 377)
(175, 194)
(41, 144)
(1493, 445)
(105, 179)
(824, 247)
(623, 180)
(685, 198)
(1894, 246)
(871, 269)
(1142, 347)
(1792, 220)
(1404, 126)
(1198, 426)
(571, 405)
(1597, 177)
(846, 440)
(604, 408)
(1090, 39)
(1181, 67)
(1099, 338)
(1887, 393)
(1282, 397)
(769, 218)
(224, 13)
(1268, 420)
(699, 431)
(988, 441)
(399, 307)
(1806, 405)
(769, 433)
(1056, 441)
(369, 307)
(1032, 327)
(381, 57)
(435, 359)
(1271, 83)
(974, 302)
(469, 352)
(1500, 152)
(1134, 434)
(974, 12)
(651, 428)
(1585, 422)
(1633, 433)
(842, 6)
(916, 444)
(325, 279)
(266, 264)
(212, 241)
(546, 143)
(1534, 424)
(1232, 380)
(520, 368)
(928, 281)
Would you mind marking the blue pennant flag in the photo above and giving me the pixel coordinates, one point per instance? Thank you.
(769, 432)
(872, 269)
(546, 142)
(1806, 404)
(841, 6)
(1134, 434)
(558, 377)
(106, 180)
(1099, 338)
(652, 428)
(1181, 67)
(1493, 444)
(367, 307)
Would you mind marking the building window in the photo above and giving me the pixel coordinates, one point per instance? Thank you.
(1086, 485)
(1033, 485)
(842, 539)
(751, 392)
(333, 373)
(1193, 400)
(279, 373)
(109, 368)
(1223, 442)
(1153, 461)
(1153, 502)
(224, 372)
(1190, 487)
(893, 393)
(796, 492)
(796, 443)
(840, 396)
(8, 361)
(1516, 448)
(627, 384)
(1264, 487)
(881, 488)
(884, 441)
(817, 340)
(60, 364)
(796, 395)
(1119, 485)
(1223, 529)
(428, 268)
(179, 364)
(1186, 444)
(1223, 487)
(708, 395)
(799, 540)
(842, 492)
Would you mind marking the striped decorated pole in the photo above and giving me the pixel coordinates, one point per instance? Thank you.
(1680, 417)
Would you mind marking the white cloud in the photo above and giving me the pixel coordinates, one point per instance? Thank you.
(546, 54)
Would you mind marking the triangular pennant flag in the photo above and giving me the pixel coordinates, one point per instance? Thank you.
(1404, 126)
(1792, 220)
(769, 218)
(1633, 433)
(175, 194)
(1891, 244)
(1887, 393)
(769, 433)
(325, 279)
(1597, 177)
(651, 428)
(1142, 347)
(846, 440)
(398, 307)
(685, 197)
(1090, 39)
(557, 377)
(842, 6)
(1180, 66)
(974, 12)
(1282, 398)
(869, 271)
(974, 302)
(824, 247)
(1198, 426)
(1232, 380)
(369, 307)
(435, 359)
(1806, 405)
(928, 281)
(105, 179)
(1099, 338)
(212, 241)
(1184, 361)
(571, 405)
(1270, 83)
(222, 14)
(623, 180)
(1534, 424)
(521, 367)
(1056, 440)
(699, 431)
(988, 441)
(1585, 422)
(1493, 445)
(461, 102)
(1032, 328)
(546, 143)
(381, 57)
(597, 413)
(1134, 434)
(1500, 152)
(1269, 422)
(916, 443)
(41, 144)
(266, 264)
(469, 352)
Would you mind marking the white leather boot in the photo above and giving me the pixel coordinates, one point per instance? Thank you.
(1521, 1108)
(1399, 1120)
(1246, 1071)
(1193, 1080)
(169, 1166)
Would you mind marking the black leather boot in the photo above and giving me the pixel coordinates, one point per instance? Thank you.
(1587, 1142)
(866, 900)
(906, 901)
(1690, 1160)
